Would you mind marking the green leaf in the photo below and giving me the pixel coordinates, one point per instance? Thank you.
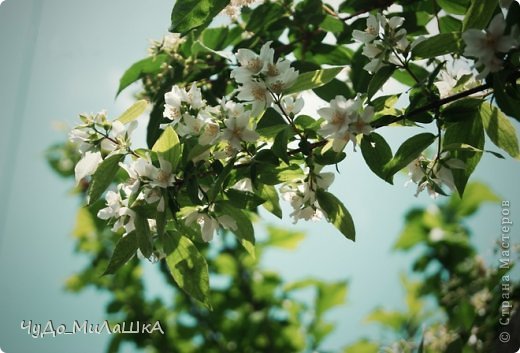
(362, 347)
(147, 66)
(409, 150)
(264, 15)
(413, 234)
(440, 44)
(500, 130)
(330, 295)
(379, 79)
(332, 24)
(456, 7)
(144, 238)
(474, 196)
(125, 249)
(267, 174)
(280, 143)
(283, 238)
(506, 92)
(271, 123)
(313, 79)
(169, 147)
(377, 154)
(103, 177)
(188, 267)
(471, 132)
(217, 186)
(133, 112)
(272, 203)
(461, 109)
(479, 14)
(188, 15)
(405, 78)
(450, 24)
(336, 213)
(244, 199)
(335, 87)
(245, 231)
(391, 319)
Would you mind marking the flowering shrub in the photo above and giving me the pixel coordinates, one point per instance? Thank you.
(227, 134)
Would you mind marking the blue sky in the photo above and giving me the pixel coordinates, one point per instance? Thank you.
(61, 58)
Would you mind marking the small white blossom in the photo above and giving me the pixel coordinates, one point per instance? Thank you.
(209, 224)
(290, 105)
(87, 165)
(237, 130)
(485, 45)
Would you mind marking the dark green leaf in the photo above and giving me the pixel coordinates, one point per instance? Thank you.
(450, 24)
(379, 79)
(245, 231)
(150, 65)
(188, 267)
(409, 150)
(245, 200)
(336, 213)
(103, 177)
(313, 79)
(123, 252)
(479, 14)
(280, 143)
(271, 123)
(144, 238)
(440, 44)
(500, 130)
(272, 203)
(377, 154)
(471, 132)
(194, 14)
(456, 7)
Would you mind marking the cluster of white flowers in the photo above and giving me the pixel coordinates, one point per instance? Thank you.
(145, 184)
(261, 79)
(97, 137)
(301, 194)
(192, 117)
(438, 338)
(170, 44)
(480, 300)
(233, 9)
(383, 41)
(344, 120)
(433, 174)
(487, 45)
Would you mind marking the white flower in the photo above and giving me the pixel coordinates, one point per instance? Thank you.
(361, 122)
(171, 42)
(244, 185)
(302, 196)
(140, 168)
(485, 45)
(370, 33)
(237, 130)
(119, 136)
(173, 102)
(87, 165)
(256, 93)
(337, 116)
(436, 234)
(163, 177)
(210, 134)
(251, 63)
(117, 208)
(285, 79)
(208, 224)
(194, 97)
(433, 174)
(290, 105)
(345, 119)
